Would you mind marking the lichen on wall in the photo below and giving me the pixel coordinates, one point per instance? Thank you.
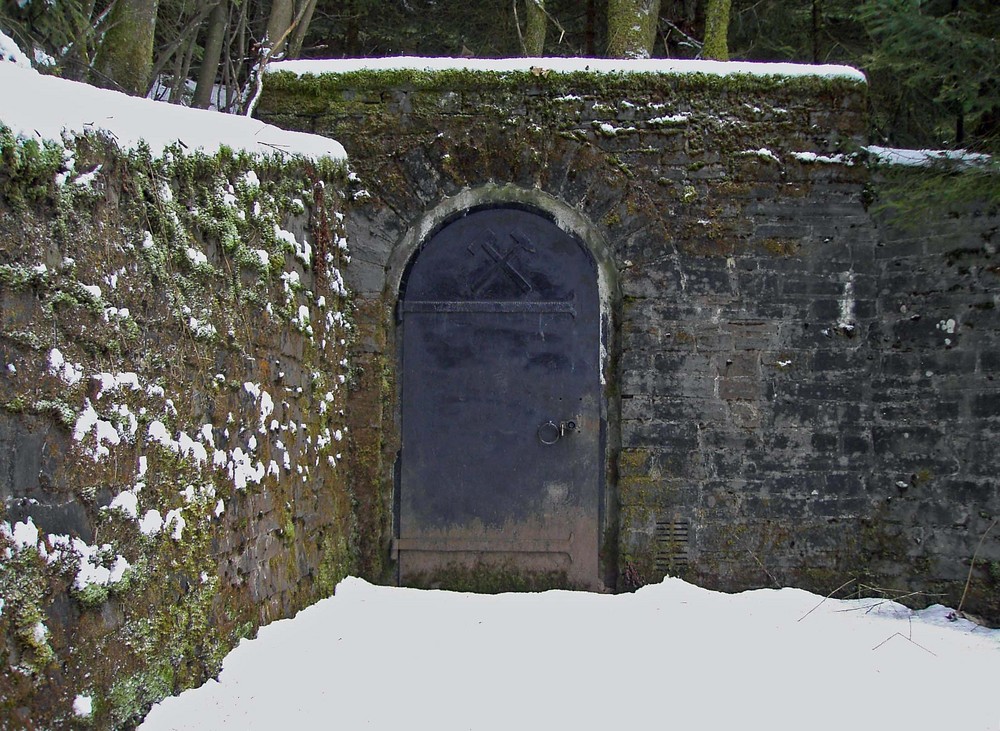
(173, 338)
(803, 392)
(679, 172)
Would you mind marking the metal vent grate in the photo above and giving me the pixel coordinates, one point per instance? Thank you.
(671, 545)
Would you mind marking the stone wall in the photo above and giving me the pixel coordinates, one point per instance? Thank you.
(172, 432)
(936, 404)
(198, 426)
(801, 393)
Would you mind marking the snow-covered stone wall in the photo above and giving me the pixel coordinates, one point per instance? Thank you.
(198, 381)
(173, 376)
(799, 392)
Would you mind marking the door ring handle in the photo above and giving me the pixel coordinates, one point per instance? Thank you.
(549, 433)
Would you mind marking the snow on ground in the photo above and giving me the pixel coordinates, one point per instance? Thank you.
(669, 655)
(567, 65)
(37, 106)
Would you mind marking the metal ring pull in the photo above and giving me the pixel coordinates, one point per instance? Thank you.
(549, 433)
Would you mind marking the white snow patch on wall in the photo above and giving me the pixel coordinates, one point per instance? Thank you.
(763, 153)
(670, 119)
(196, 257)
(846, 321)
(175, 518)
(812, 157)
(91, 560)
(126, 501)
(104, 431)
(83, 706)
(250, 179)
(22, 534)
(303, 251)
(111, 382)
(157, 432)
(70, 373)
(243, 470)
(151, 523)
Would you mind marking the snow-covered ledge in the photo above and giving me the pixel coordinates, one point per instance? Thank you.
(47, 107)
(542, 66)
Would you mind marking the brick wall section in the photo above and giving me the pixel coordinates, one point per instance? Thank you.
(769, 394)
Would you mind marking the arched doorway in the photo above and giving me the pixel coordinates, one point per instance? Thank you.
(502, 458)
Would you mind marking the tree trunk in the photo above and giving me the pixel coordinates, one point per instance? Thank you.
(815, 31)
(235, 52)
(177, 39)
(306, 9)
(690, 12)
(278, 23)
(590, 34)
(125, 58)
(716, 29)
(180, 81)
(212, 56)
(351, 18)
(534, 33)
(632, 27)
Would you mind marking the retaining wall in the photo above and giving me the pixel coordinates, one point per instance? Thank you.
(173, 380)
(802, 391)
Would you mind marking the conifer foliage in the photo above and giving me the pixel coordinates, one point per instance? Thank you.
(935, 69)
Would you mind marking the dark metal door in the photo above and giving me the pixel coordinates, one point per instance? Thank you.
(502, 445)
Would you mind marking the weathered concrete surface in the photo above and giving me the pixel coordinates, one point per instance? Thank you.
(800, 393)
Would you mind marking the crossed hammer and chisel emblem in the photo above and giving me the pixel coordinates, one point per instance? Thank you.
(502, 262)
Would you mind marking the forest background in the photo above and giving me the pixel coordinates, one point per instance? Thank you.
(933, 65)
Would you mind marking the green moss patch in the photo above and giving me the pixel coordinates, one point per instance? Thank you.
(175, 334)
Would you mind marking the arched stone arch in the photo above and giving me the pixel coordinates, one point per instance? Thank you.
(579, 228)
(565, 216)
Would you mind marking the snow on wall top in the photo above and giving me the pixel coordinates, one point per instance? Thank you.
(46, 107)
(9, 51)
(567, 65)
(924, 158)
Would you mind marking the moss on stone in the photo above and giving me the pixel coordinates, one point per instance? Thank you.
(29, 170)
(325, 91)
(782, 247)
(489, 579)
(175, 244)
(689, 182)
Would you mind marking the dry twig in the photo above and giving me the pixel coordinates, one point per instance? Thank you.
(972, 566)
(908, 639)
(849, 581)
